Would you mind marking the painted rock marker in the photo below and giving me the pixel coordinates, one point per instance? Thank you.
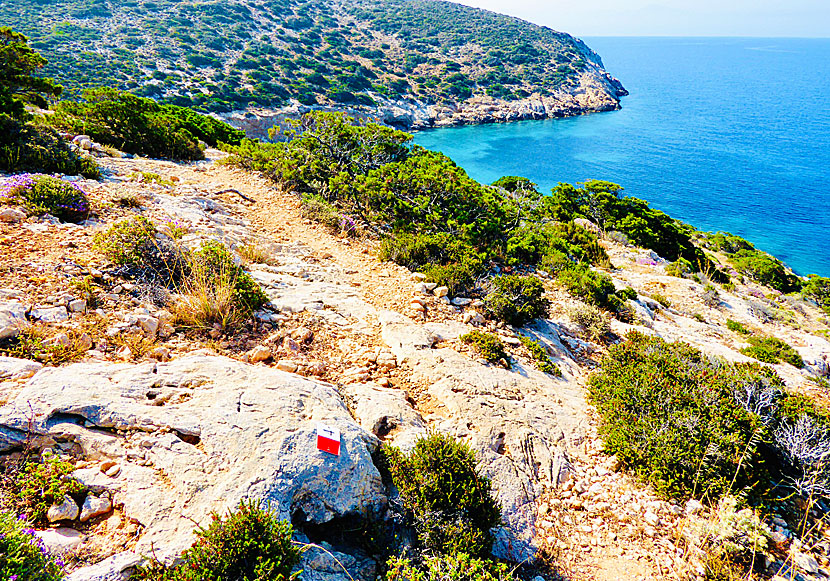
(328, 439)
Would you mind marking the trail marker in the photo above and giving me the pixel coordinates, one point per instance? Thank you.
(328, 439)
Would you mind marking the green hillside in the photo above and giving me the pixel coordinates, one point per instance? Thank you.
(225, 55)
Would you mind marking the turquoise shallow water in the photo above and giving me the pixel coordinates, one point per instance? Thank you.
(726, 134)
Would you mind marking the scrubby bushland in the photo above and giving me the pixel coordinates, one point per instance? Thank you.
(31, 343)
(751, 262)
(41, 194)
(772, 350)
(457, 567)
(23, 555)
(593, 321)
(487, 345)
(695, 426)
(431, 215)
(248, 544)
(141, 126)
(25, 146)
(444, 496)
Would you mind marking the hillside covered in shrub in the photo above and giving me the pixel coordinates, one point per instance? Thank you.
(221, 56)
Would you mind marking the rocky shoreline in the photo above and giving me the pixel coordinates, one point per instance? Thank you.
(596, 91)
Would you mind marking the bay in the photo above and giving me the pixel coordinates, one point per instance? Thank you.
(723, 133)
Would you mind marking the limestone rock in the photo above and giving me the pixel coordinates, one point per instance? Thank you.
(287, 365)
(66, 510)
(11, 215)
(60, 540)
(111, 569)
(255, 429)
(95, 506)
(77, 306)
(50, 314)
(385, 412)
(12, 368)
(12, 319)
(440, 291)
(259, 353)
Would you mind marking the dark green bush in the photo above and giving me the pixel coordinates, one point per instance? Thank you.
(672, 415)
(249, 544)
(772, 350)
(516, 299)
(594, 287)
(817, 288)
(737, 327)
(23, 556)
(26, 146)
(540, 356)
(214, 260)
(765, 269)
(41, 194)
(449, 502)
(126, 243)
(487, 345)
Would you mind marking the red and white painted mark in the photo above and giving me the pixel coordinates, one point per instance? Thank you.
(328, 439)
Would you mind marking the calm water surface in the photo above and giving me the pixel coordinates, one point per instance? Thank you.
(726, 134)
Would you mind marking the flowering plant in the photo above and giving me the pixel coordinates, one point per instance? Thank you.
(43, 194)
(23, 557)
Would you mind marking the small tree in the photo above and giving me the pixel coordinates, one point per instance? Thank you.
(18, 63)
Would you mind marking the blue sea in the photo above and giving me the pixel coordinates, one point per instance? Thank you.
(723, 133)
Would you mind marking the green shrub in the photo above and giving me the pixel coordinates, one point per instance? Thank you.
(594, 287)
(315, 207)
(737, 327)
(662, 300)
(23, 556)
(772, 350)
(766, 269)
(126, 243)
(487, 345)
(29, 147)
(627, 294)
(670, 413)
(249, 544)
(213, 258)
(42, 194)
(458, 567)
(594, 321)
(679, 268)
(31, 343)
(449, 502)
(540, 355)
(817, 288)
(516, 299)
(39, 484)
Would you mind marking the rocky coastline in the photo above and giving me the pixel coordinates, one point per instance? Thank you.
(595, 91)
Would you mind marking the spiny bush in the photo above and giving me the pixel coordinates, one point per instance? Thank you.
(487, 345)
(23, 557)
(457, 567)
(674, 416)
(42, 194)
(216, 291)
(41, 483)
(516, 299)
(594, 287)
(448, 500)
(772, 350)
(248, 544)
(540, 355)
(593, 320)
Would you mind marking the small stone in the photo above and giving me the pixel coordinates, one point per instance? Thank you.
(430, 286)
(11, 215)
(84, 342)
(316, 368)
(418, 276)
(805, 562)
(124, 353)
(113, 471)
(441, 291)
(445, 300)
(148, 324)
(160, 354)
(461, 301)
(66, 510)
(303, 334)
(94, 506)
(259, 353)
(420, 288)
(50, 314)
(77, 306)
(384, 382)
(693, 507)
(415, 306)
(651, 519)
(60, 540)
(286, 365)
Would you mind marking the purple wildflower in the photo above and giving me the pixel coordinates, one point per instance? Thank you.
(13, 578)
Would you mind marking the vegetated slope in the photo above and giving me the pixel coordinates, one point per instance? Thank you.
(228, 55)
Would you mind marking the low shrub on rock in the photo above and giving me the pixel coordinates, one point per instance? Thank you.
(516, 299)
(26, 146)
(457, 567)
(817, 288)
(39, 483)
(540, 356)
(444, 496)
(248, 544)
(23, 556)
(487, 345)
(772, 350)
(41, 194)
(593, 321)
